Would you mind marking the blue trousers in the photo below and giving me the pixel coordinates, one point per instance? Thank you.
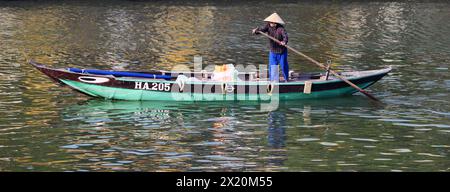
(274, 60)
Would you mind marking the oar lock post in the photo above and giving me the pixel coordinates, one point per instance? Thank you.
(327, 74)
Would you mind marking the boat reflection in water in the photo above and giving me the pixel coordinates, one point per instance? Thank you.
(189, 136)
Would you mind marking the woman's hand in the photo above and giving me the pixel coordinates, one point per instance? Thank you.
(254, 30)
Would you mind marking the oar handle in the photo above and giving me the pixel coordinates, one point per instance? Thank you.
(321, 66)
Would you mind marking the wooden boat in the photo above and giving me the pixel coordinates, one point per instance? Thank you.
(198, 86)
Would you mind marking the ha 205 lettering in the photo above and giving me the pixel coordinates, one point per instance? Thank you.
(246, 181)
(152, 86)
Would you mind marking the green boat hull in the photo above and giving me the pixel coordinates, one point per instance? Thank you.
(174, 88)
(147, 95)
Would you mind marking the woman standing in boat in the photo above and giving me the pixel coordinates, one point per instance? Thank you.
(278, 52)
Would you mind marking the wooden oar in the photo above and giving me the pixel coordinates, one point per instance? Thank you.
(323, 67)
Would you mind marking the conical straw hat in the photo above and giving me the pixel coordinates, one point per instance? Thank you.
(275, 18)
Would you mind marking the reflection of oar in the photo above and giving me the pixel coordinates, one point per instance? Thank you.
(323, 67)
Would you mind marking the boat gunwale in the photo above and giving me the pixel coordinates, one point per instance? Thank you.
(314, 81)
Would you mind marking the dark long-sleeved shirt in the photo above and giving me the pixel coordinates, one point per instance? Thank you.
(277, 32)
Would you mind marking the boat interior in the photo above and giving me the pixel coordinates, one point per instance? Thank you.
(201, 76)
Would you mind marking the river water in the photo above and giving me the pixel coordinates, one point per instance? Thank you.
(44, 127)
